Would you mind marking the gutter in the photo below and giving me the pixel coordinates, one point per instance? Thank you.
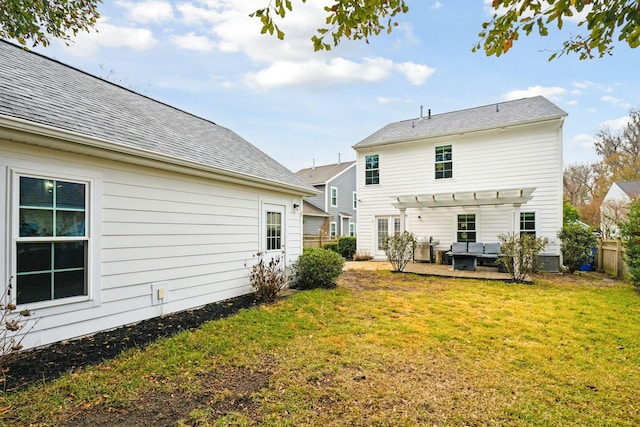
(24, 131)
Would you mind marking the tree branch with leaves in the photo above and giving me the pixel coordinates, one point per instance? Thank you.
(34, 21)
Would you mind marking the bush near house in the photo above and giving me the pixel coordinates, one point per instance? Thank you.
(347, 246)
(630, 232)
(578, 242)
(317, 268)
(399, 249)
(519, 254)
(331, 246)
(268, 278)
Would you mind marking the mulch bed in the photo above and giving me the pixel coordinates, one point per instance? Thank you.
(52, 361)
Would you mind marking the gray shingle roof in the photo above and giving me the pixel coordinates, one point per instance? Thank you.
(508, 113)
(41, 90)
(321, 174)
(631, 188)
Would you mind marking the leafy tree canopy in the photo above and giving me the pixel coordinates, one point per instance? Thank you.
(34, 21)
(603, 21)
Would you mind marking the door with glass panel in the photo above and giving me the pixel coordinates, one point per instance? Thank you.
(385, 227)
(273, 229)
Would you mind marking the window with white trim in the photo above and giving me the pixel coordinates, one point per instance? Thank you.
(334, 197)
(528, 223)
(355, 200)
(372, 169)
(466, 228)
(444, 162)
(352, 229)
(274, 230)
(52, 239)
(333, 229)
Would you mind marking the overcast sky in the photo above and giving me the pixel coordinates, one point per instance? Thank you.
(207, 57)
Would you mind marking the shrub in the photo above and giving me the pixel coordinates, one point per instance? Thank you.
(268, 278)
(577, 245)
(347, 246)
(519, 254)
(332, 246)
(630, 232)
(399, 249)
(317, 268)
(11, 323)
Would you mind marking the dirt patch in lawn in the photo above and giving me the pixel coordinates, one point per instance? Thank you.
(220, 393)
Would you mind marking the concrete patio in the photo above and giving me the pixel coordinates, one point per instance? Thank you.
(429, 269)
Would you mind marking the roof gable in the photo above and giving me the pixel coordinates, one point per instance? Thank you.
(503, 114)
(43, 91)
(319, 175)
(630, 188)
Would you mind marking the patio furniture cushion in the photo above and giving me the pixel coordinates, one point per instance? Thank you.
(492, 248)
(459, 247)
(475, 248)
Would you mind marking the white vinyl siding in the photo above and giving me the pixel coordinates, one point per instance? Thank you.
(526, 156)
(194, 237)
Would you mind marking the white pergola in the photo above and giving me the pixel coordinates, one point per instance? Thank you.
(506, 196)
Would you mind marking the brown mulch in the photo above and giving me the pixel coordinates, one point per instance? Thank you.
(50, 362)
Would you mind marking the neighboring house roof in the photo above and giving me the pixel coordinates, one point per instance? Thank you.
(310, 210)
(42, 96)
(630, 188)
(501, 114)
(319, 175)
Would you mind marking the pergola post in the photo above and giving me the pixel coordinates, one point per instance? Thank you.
(402, 220)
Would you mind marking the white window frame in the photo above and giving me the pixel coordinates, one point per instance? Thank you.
(333, 197)
(333, 230)
(535, 223)
(92, 233)
(392, 223)
(352, 229)
(268, 208)
(372, 170)
(443, 162)
(475, 223)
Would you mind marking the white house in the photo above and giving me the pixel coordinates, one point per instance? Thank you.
(614, 206)
(464, 176)
(336, 185)
(118, 208)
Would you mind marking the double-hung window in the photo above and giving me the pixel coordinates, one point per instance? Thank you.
(444, 162)
(355, 200)
(52, 239)
(372, 169)
(528, 223)
(334, 197)
(466, 228)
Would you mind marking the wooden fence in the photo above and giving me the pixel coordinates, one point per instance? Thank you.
(316, 241)
(611, 258)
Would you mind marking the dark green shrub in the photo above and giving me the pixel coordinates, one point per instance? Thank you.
(317, 268)
(347, 246)
(268, 278)
(519, 254)
(578, 242)
(399, 250)
(630, 231)
(332, 246)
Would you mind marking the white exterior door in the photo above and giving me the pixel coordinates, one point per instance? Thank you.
(385, 227)
(273, 235)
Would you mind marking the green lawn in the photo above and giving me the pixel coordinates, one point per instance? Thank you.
(383, 349)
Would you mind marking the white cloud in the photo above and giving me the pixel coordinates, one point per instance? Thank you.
(390, 100)
(192, 42)
(582, 140)
(417, 74)
(148, 11)
(436, 5)
(572, 102)
(320, 74)
(615, 125)
(616, 102)
(112, 36)
(193, 15)
(552, 93)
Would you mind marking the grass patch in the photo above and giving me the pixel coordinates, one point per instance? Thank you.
(381, 349)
